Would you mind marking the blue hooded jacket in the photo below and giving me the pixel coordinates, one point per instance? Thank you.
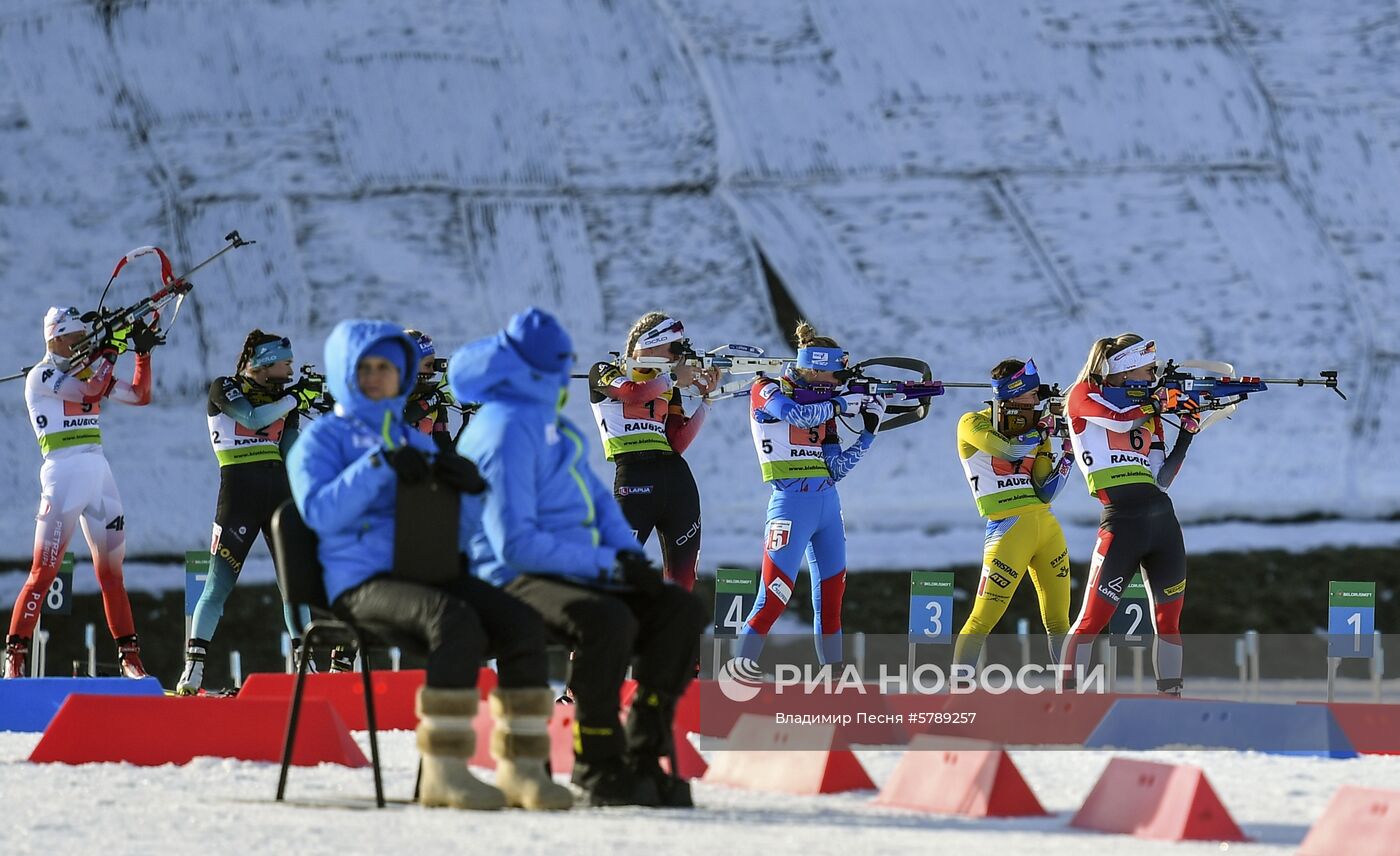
(342, 484)
(546, 512)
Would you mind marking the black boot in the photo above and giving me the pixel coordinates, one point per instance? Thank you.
(649, 739)
(601, 772)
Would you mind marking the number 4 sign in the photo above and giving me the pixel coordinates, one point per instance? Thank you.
(736, 591)
(931, 607)
(1351, 619)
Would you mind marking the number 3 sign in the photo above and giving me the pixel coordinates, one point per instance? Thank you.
(931, 607)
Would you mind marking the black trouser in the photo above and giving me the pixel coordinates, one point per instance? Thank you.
(657, 491)
(1136, 531)
(248, 496)
(659, 636)
(461, 624)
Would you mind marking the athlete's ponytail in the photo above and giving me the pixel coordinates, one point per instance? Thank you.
(806, 337)
(645, 323)
(255, 338)
(1095, 368)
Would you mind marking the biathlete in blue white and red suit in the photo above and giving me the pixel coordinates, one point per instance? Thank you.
(800, 453)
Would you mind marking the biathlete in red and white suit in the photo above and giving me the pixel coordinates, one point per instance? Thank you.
(1121, 448)
(65, 411)
(646, 431)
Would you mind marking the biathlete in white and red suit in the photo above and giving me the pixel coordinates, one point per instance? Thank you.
(65, 411)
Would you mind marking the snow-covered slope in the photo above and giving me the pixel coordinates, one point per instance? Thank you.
(960, 181)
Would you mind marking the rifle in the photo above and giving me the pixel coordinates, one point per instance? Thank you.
(106, 322)
(735, 359)
(914, 396)
(314, 379)
(1214, 393)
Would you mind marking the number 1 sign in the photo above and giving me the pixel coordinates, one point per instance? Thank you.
(1351, 619)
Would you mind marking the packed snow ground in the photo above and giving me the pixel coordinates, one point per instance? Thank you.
(214, 806)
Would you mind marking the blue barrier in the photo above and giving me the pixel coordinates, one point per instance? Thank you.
(1278, 729)
(27, 704)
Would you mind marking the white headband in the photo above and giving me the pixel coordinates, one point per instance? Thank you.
(662, 332)
(1133, 357)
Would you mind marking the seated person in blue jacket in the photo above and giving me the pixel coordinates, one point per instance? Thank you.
(344, 471)
(553, 536)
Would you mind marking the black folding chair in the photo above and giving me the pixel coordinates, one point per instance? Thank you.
(300, 575)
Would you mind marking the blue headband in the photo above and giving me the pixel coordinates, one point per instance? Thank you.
(1020, 383)
(424, 342)
(821, 359)
(271, 352)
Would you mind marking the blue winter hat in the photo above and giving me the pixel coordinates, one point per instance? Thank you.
(391, 350)
(541, 341)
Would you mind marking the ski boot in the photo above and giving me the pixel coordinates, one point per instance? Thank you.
(192, 678)
(129, 656)
(602, 775)
(299, 651)
(649, 739)
(342, 660)
(16, 657)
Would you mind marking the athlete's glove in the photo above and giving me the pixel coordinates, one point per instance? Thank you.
(307, 392)
(143, 338)
(457, 472)
(117, 340)
(848, 403)
(410, 464)
(636, 570)
(872, 411)
(1066, 462)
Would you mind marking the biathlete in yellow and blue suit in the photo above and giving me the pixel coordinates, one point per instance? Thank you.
(1015, 468)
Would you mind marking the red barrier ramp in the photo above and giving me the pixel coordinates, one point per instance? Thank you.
(1169, 802)
(1357, 822)
(868, 719)
(1018, 718)
(395, 694)
(150, 731)
(920, 712)
(762, 755)
(1373, 729)
(976, 781)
